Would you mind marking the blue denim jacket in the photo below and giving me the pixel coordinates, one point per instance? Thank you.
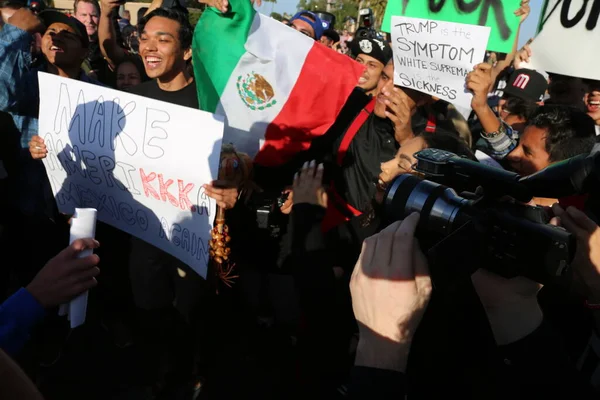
(20, 97)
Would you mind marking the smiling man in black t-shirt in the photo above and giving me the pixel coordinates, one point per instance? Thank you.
(160, 281)
(166, 49)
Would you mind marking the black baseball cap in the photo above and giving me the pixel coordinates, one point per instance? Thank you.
(527, 84)
(50, 17)
(378, 49)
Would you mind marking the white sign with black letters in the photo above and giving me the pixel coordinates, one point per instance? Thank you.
(140, 162)
(568, 41)
(434, 57)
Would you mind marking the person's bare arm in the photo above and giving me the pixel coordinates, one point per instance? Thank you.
(107, 35)
(25, 20)
(500, 66)
(479, 82)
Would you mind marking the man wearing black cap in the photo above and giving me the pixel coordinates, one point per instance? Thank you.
(525, 84)
(374, 54)
(64, 46)
(523, 94)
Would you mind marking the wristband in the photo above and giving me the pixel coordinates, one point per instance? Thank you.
(491, 135)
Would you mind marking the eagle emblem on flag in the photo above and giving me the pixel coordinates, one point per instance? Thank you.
(255, 91)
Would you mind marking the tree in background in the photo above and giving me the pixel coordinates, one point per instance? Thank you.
(277, 16)
(194, 16)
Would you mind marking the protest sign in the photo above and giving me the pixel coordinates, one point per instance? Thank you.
(140, 162)
(568, 39)
(434, 57)
(496, 14)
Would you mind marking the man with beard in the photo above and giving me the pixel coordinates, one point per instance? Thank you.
(374, 54)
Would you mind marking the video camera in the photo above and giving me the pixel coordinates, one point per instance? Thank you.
(463, 233)
(365, 25)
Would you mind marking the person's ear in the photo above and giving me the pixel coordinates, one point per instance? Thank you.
(187, 54)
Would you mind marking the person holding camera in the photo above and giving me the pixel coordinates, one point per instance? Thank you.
(391, 288)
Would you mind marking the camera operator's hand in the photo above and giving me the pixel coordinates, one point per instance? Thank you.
(65, 276)
(510, 304)
(308, 185)
(225, 195)
(586, 263)
(37, 148)
(479, 81)
(390, 289)
(399, 111)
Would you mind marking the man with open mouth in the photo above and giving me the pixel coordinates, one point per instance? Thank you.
(592, 103)
(64, 46)
(374, 54)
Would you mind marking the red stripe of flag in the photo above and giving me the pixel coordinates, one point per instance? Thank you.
(326, 80)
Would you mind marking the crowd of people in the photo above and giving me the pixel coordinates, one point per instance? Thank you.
(329, 299)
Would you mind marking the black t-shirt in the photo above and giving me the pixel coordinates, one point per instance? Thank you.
(373, 144)
(187, 97)
(154, 277)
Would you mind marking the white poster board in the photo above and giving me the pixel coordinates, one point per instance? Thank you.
(568, 41)
(434, 57)
(140, 162)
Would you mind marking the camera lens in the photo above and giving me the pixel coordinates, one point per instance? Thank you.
(441, 209)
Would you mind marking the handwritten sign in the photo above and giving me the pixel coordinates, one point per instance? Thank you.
(140, 162)
(496, 14)
(434, 57)
(568, 40)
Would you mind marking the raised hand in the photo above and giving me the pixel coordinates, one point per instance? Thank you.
(308, 185)
(398, 110)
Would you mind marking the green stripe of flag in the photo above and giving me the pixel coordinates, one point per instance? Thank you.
(218, 45)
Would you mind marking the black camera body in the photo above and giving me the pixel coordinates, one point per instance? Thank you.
(461, 233)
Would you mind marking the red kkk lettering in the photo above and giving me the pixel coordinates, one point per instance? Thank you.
(163, 193)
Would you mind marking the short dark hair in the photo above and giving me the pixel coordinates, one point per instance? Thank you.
(570, 132)
(523, 108)
(332, 35)
(185, 28)
(141, 12)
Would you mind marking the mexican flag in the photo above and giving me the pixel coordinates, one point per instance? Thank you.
(277, 88)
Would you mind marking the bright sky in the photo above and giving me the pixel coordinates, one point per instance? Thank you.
(527, 31)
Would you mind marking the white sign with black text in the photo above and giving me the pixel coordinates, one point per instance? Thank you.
(434, 57)
(567, 43)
